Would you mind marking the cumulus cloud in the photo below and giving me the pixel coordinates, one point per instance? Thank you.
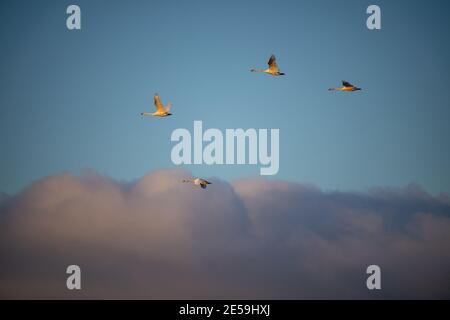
(158, 238)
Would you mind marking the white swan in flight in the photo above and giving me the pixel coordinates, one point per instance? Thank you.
(273, 68)
(161, 111)
(346, 86)
(199, 182)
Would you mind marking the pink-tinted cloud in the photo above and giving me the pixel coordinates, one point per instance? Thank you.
(254, 238)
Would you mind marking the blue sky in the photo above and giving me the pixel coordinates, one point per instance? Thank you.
(71, 99)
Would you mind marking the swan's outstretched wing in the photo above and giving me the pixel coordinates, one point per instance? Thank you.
(347, 84)
(158, 104)
(273, 63)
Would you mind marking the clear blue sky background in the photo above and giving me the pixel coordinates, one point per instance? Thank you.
(71, 99)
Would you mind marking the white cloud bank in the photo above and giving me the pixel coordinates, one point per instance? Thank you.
(158, 238)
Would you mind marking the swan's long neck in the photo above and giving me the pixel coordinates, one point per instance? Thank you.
(258, 70)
